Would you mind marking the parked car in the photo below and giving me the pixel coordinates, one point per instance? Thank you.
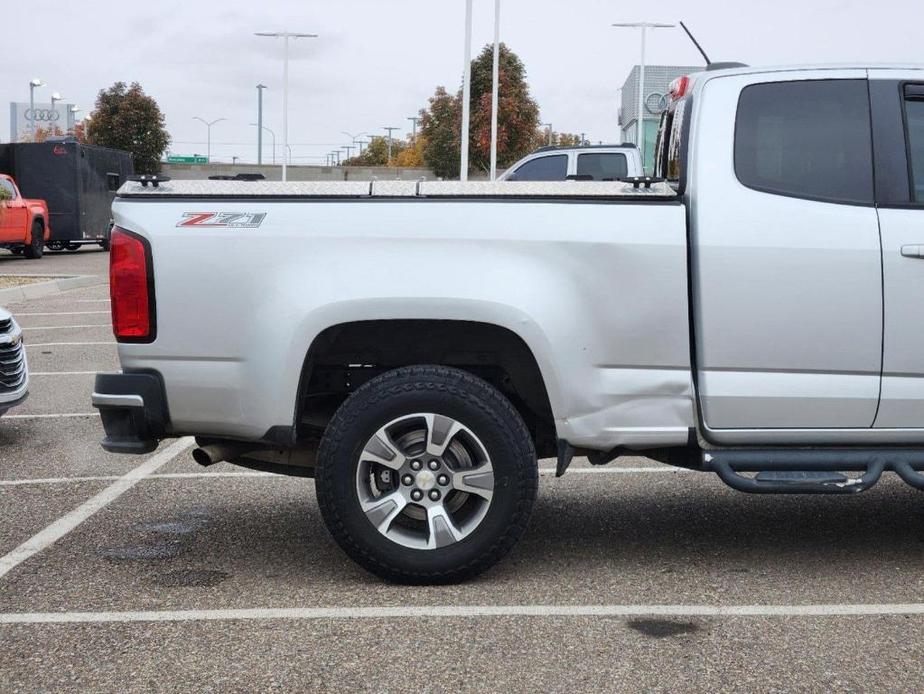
(14, 370)
(24, 226)
(589, 163)
(417, 345)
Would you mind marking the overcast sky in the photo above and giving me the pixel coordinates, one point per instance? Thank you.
(377, 61)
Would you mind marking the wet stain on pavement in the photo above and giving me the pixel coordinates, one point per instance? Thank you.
(163, 550)
(663, 628)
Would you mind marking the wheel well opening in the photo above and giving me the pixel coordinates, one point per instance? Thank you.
(344, 357)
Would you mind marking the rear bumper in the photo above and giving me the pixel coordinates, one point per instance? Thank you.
(133, 409)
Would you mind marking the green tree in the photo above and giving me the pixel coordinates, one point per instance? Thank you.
(517, 118)
(126, 118)
(440, 125)
(376, 153)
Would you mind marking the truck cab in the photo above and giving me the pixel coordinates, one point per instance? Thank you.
(588, 162)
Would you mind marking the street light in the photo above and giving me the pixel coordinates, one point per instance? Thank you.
(495, 79)
(466, 92)
(263, 127)
(644, 26)
(363, 143)
(285, 36)
(414, 120)
(209, 125)
(389, 130)
(33, 83)
(348, 149)
(55, 97)
(260, 88)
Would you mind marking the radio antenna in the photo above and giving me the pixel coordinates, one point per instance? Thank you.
(696, 43)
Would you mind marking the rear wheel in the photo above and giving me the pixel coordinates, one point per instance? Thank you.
(426, 474)
(36, 244)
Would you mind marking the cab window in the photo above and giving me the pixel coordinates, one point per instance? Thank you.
(8, 187)
(552, 168)
(914, 119)
(603, 166)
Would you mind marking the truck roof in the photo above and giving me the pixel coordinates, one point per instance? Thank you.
(753, 70)
(199, 189)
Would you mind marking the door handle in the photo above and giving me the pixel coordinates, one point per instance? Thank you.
(916, 251)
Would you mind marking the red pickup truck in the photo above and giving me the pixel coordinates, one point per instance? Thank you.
(23, 223)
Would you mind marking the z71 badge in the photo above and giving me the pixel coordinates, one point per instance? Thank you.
(232, 220)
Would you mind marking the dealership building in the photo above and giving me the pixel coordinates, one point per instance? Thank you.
(57, 116)
(658, 79)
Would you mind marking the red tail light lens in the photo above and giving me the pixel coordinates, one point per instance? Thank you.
(131, 287)
(679, 87)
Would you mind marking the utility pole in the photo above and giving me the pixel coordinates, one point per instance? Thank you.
(495, 78)
(209, 125)
(550, 131)
(466, 92)
(348, 149)
(361, 144)
(640, 132)
(413, 120)
(285, 36)
(389, 130)
(260, 88)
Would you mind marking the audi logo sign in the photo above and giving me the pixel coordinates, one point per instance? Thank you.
(656, 103)
(42, 114)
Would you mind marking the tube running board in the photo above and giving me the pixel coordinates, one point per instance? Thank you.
(813, 470)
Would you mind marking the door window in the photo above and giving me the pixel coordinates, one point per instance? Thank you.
(553, 168)
(914, 117)
(8, 187)
(806, 139)
(603, 166)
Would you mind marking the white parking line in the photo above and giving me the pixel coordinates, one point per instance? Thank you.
(65, 327)
(68, 344)
(62, 313)
(60, 373)
(61, 415)
(467, 612)
(68, 522)
(545, 472)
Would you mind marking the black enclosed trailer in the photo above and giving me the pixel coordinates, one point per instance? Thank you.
(77, 181)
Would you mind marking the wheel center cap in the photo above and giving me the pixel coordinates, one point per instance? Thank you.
(426, 480)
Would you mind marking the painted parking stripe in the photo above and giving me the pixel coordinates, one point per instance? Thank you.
(65, 327)
(62, 313)
(57, 415)
(62, 526)
(465, 612)
(270, 475)
(67, 344)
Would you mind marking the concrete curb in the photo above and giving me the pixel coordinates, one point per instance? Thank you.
(57, 285)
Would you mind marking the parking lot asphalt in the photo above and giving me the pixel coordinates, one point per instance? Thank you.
(122, 573)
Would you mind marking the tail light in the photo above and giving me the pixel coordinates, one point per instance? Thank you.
(131, 287)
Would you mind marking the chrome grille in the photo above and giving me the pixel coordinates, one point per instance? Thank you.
(12, 358)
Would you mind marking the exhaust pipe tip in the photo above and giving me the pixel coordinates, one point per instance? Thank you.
(201, 456)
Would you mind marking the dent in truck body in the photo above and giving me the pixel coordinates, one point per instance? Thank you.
(597, 292)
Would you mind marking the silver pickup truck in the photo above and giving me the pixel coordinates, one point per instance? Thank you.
(415, 347)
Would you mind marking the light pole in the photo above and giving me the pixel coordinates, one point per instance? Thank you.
(550, 131)
(234, 160)
(466, 91)
(260, 88)
(495, 78)
(348, 149)
(363, 143)
(263, 127)
(55, 97)
(644, 26)
(414, 120)
(285, 36)
(209, 125)
(33, 83)
(389, 130)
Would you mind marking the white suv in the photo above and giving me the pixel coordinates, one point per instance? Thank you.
(590, 162)
(14, 371)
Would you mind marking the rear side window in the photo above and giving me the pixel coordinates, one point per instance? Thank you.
(603, 166)
(808, 139)
(914, 117)
(8, 187)
(554, 168)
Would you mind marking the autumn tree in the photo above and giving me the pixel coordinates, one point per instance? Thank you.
(376, 153)
(126, 118)
(411, 156)
(517, 117)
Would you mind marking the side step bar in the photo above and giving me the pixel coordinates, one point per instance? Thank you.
(813, 470)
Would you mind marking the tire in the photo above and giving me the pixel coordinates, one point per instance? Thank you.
(487, 454)
(36, 247)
